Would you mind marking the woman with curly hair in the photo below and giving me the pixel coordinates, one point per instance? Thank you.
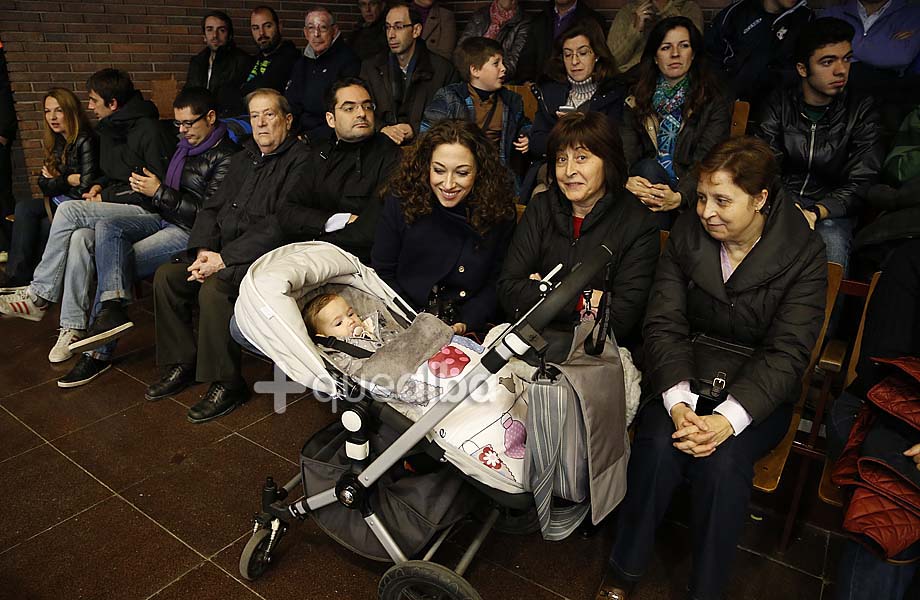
(585, 206)
(446, 223)
(674, 116)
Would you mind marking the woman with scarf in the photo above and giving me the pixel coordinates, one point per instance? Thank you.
(504, 22)
(446, 225)
(128, 248)
(673, 118)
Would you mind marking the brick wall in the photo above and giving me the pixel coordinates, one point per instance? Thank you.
(61, 43)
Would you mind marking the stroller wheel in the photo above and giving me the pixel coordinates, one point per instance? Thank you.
(255, 559)
(423, 580)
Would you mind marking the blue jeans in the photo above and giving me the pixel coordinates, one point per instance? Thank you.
(838, 238)
(29, 234)
(862, 574)
(240, 339)
(129, 248)
(66, 270)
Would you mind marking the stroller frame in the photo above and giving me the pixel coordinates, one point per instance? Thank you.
(351, 491)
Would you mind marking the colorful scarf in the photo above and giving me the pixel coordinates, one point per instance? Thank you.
(497, 18)
(668, 102)
(184, 150)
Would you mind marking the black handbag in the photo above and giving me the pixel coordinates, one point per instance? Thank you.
(717, 363)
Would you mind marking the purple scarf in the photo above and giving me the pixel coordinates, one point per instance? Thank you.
(185, 149)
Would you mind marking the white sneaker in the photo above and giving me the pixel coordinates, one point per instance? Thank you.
(66, 337)
(20, 304)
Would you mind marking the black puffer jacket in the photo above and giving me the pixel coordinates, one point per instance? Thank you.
(81, 158)
(431, 73)
(512, 35)
(832, 161)
(341, 177)
(773, 302)
(130, 138)
(545, 238)
(201, 176)
(240, 220)
(231, 67)
(698, 134)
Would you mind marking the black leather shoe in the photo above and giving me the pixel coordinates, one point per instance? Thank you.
(111, 323)
(217, 402)
(176, 379)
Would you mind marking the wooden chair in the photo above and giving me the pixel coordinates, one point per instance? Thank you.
(530, 101)
(740, 115)
(769, 469)
(163, 94)
(831, 362)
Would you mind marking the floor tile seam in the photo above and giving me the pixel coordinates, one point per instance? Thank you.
(24, 452)
(257, 444)
(781, 563)
(26, 389)
(237, 579)
(61, 522)
(177, 579)
(272, 413)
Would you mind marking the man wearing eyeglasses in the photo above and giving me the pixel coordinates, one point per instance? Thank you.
(337, 200)
(326, 59)
(406, 78)
(133, 247)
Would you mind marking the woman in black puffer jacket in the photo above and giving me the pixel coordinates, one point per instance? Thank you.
(736, 308)
(586, 206)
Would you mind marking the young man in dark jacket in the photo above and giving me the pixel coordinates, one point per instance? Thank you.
(545, 28)
(404, 80)
(751, 43)
(237, 225)
(337, 198)
(271, 67)
(826, 140)
(326, 59)
(221, 62)
(195, 172)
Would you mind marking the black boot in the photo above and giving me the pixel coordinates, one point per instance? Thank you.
(176, 379)
(218, 401)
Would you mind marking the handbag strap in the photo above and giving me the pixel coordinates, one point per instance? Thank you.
(597, 339)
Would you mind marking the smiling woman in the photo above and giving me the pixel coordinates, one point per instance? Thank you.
(445, 226)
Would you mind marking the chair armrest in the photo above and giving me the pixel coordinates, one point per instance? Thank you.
(832, 356)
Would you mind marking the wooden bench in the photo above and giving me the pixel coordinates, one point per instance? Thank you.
(740, 114)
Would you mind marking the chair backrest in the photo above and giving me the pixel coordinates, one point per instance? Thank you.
(834, 279)
(740, 115)
(163, 95)
(858, 289)
(530, 101)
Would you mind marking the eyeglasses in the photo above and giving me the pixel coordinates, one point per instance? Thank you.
(397, 27)
(318, 28)
(583, 53)
(188, 124)
(349, 107)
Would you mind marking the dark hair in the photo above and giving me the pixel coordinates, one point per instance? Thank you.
(599, 135)
(111, 84)
(604, 67)
(475, 52)
(281, 103)
(339, 84)
(415, 17)
(219, 14)
(749, 161)
(703, 87)
(198, 99)
(269, 10)
(492, 198)
(819, 33)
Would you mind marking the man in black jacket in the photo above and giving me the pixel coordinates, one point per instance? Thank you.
(326, 59)
(221, 62)
(826, 140)
(545, 27)
(368, 37)
(237, 225)
(7, 135)
(751, 42)
(336, 200)
(271, 67)
(404, 80)
(133, 247)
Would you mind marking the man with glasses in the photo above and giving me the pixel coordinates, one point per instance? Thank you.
(406, 78)
(235, 226)
(133, 247)
(325, 59)
(368, 38)
(337, 198)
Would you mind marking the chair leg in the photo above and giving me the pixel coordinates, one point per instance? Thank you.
(793, 511)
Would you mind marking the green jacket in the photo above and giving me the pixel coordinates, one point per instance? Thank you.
(903, 162)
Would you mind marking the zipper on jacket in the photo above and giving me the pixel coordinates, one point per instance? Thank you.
(811, 154)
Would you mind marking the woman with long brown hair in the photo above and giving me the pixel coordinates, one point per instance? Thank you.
(446, 223)
(673, 117)
(70, 166)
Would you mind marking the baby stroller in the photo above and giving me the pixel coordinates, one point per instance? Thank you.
(390, 480)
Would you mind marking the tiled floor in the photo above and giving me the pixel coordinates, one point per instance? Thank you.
(107, 496)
